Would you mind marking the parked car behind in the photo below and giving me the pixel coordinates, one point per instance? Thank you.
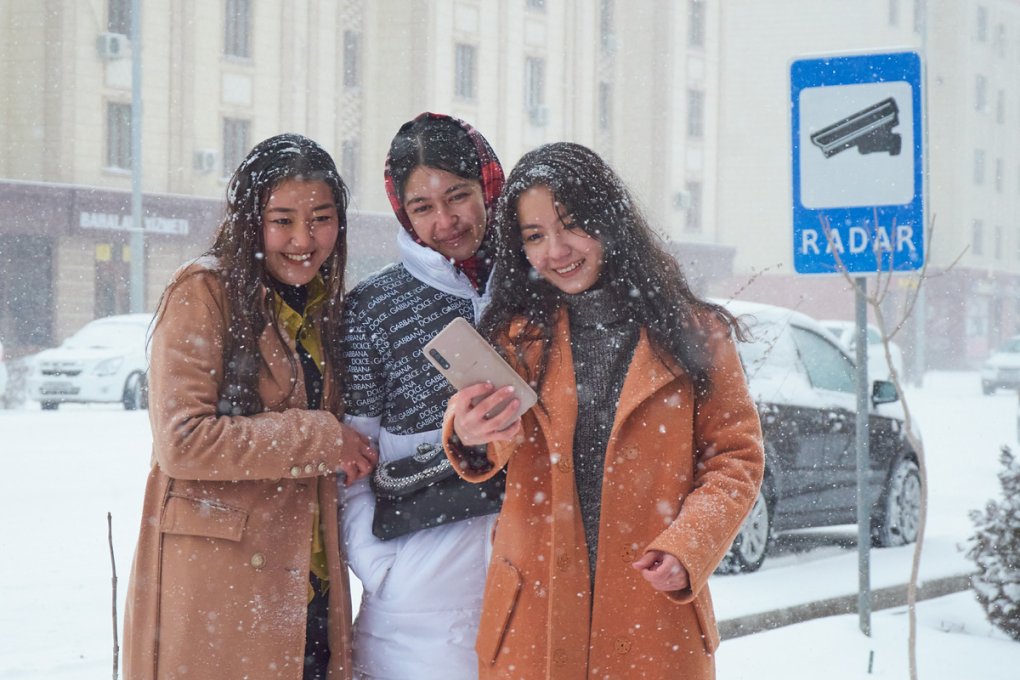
(1002, 368)
(804, 386)
(878, 365)
(105, 361)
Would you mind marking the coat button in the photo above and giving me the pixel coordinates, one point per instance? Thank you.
(631, 453)
(559, 656)
(295, 471)
(323, 467)
(563, 562)
(622, 645)
(258, 560)
(565, 465)
(309, 469)
(628, 554)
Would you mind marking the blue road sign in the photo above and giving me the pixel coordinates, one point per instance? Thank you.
(858, 175)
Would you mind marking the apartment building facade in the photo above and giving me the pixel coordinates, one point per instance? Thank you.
(636, 81)
(970, 301)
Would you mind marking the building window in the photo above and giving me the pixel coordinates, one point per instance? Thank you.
(352, 59)
(237, 29)
(977, 238)
(606, 37)
(998, 243)
(118, 136)
(692, 219)
(999, 172)
(980, 93)
(695, 114)
(919, 17)
(1000, 107)
(118, 17)
(464, 71)
(977, 318)
(979, 166)
(894, 12)
(235, 143)
(605, 106)
(695, 23)
(537, 5)
(349, 163)
(534, 89)
(981, 29)
(1000, 40)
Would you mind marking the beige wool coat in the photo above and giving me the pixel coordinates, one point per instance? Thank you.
(219, 584)
(680, 476)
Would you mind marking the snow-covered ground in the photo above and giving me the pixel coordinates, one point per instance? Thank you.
(66, 470)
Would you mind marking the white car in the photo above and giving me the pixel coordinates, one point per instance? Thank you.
(878, 367)
(1002, 369)
(105, 361)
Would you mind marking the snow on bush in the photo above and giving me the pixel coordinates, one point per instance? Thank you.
(995, 548)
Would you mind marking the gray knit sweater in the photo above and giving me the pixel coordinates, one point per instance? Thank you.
(602, 340)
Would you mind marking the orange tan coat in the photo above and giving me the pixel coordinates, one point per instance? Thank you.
(679, 477)
(219, 585)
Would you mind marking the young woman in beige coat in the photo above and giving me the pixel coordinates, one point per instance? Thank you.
(630, 478)
(238, 570)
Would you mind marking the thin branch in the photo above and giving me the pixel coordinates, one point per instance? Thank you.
(754, 277)
(113, 564)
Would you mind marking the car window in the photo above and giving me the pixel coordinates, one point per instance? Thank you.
(827, 367)
(768, 348)
(874, 337)
(1012, 346)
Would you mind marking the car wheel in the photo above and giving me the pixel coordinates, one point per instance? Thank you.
(749, 548)
(50, 405)
(899, 516)
(987, 389)
(136, 392)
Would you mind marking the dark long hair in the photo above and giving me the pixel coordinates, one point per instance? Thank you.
(239, 246)
(638, 273)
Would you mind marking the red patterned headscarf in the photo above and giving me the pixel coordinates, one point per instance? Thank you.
(445, 143)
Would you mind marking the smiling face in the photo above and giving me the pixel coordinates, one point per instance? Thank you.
(300, 226)
(447, 212)
(560, 251)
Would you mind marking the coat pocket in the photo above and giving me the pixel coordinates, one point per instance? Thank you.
(502, 588)
(187, 516)
(706, 617)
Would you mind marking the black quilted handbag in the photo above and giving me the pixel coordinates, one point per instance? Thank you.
(423, 491)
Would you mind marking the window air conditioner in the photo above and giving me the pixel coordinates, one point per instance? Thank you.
(112, 46)
(205, 160)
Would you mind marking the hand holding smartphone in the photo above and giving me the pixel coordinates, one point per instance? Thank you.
(465, 358)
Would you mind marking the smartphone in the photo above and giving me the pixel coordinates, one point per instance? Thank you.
(465, 358)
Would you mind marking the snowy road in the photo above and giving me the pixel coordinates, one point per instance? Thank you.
(67, 469)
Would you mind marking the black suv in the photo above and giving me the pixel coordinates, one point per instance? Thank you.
(804, 386)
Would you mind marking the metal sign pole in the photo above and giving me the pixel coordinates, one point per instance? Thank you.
(863, 502)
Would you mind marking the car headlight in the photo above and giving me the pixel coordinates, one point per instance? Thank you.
(109, 366)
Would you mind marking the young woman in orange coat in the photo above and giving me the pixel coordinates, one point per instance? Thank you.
(629, 479)
(238, 570)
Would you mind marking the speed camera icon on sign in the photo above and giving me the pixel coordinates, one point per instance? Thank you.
(852, 136)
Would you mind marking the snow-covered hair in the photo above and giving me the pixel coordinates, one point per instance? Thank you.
(637, 271)
(239, 248)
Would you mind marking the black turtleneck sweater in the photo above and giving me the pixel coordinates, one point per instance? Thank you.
(602, 341)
